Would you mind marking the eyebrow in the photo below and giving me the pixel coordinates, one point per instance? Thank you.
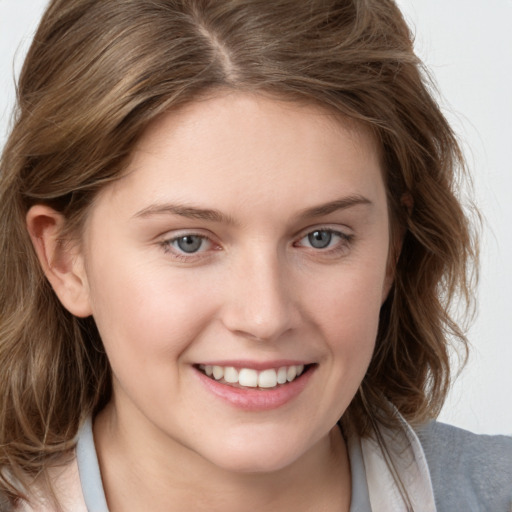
(333, 206)
(190, 212)
(212, 215)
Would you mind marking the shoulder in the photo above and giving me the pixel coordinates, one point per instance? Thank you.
(469, 472)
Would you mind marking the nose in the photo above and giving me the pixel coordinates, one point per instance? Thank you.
(260, 302)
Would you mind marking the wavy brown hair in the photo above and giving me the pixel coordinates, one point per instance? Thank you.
(99, 71)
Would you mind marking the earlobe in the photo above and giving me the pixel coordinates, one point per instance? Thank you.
(61, 261)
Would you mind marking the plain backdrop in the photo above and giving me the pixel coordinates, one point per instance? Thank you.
(467, 44)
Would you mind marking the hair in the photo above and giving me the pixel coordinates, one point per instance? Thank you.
(99, 71)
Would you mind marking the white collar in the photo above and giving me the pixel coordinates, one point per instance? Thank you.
(405, 454)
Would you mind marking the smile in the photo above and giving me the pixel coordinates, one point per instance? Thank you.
(251, 378)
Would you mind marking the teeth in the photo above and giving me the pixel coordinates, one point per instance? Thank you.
(281, 375)
(250, 378)
(230, 374)
(267, 379)
(218, 372)
(291, 373)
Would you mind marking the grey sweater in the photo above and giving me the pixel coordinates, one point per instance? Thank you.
(469, 472)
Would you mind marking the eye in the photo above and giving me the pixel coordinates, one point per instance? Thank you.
(324, 239)
(320, 239)
(188, 244)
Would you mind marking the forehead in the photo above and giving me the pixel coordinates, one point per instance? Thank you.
(235, 149)
(260, 115)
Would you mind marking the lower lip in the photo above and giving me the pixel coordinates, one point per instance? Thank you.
(257, 399)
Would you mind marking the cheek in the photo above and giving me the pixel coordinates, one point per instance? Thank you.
(347, 313)
(351, 301)
(144, 312)
(147, 321)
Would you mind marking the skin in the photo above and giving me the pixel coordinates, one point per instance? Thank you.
(256, 290)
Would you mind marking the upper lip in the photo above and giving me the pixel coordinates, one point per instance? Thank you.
(255, 365)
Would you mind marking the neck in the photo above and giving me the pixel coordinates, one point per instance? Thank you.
(137, 475)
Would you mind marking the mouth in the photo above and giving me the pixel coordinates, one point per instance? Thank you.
(250, 378)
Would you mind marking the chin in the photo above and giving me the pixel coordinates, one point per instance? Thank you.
(254, 463)
(250, 456)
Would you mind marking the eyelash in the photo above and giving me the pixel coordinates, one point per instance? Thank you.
(344, 241)
(181, 255)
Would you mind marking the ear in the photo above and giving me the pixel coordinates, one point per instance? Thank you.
(61, 261)
(390, 277)
(393, 257)
(397, 239)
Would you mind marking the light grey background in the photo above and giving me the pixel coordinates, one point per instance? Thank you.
(467, 44)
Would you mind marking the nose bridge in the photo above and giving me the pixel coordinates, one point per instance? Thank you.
(260, 304)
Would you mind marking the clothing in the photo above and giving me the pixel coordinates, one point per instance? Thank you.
(443, 469)
(469, 472)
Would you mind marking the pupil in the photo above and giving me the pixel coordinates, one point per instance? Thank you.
(320, 239)
(189, 243)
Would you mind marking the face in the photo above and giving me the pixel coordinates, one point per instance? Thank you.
(236, 273)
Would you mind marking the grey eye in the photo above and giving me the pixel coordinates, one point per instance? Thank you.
(320, 239)
(189, 243)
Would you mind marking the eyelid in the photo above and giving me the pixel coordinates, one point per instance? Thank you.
(342, 245)
(343, 231)
(166, 241)
(174, 234)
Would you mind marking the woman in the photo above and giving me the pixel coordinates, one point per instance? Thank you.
(242, 240)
